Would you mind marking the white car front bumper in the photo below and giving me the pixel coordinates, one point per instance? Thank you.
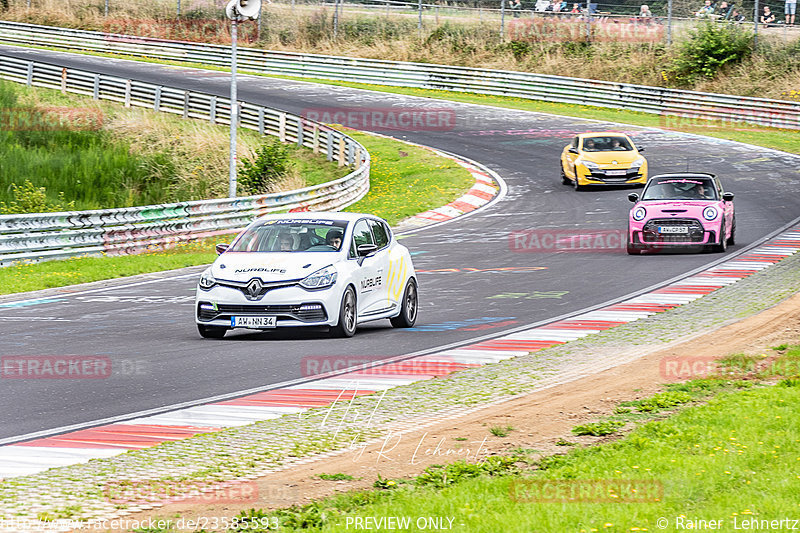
(293, 306)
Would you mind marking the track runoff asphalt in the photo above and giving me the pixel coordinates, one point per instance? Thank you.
(484, 274)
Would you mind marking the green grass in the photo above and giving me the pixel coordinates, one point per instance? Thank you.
(406, 180)
(734, 457)
(401, 186)
(336, 477)
(30, 277)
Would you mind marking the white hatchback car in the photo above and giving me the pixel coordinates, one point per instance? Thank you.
(308, 269)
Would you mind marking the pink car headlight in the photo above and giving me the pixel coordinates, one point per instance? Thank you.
(710, 213)
(639, 213)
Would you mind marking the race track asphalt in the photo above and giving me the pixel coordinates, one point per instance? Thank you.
(472, 280)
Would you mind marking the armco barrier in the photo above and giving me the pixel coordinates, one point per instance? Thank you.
(689, 104)
(43, 236)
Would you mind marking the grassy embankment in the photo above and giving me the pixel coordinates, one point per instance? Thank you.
(139, 157)
(724, 448)
(467, 39)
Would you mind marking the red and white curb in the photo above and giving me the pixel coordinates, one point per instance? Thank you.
(106, 441)
(479, 195)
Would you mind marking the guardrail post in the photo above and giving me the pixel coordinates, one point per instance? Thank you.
(282, 127)
(186, 104)
(157, 102)
(351, 156)
(63, 81)
(127, 93)
(315, 142)
(261, 120)
(96, 87)
(29, 76)
(341, 152)
(212, 110)
(329, 137)
(300, 132)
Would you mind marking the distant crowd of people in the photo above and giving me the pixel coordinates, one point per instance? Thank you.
(722, 10)
(728, 11)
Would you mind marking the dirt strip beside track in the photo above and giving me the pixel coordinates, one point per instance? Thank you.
(539, 421)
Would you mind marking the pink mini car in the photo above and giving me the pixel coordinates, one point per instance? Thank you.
(684, 210)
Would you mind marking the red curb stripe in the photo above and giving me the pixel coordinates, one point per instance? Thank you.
(480, 194)
(462, 206)
(584, 324)
(686, 290)
(530, 345)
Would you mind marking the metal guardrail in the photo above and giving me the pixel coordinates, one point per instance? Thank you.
(656, 100)
(44, 236)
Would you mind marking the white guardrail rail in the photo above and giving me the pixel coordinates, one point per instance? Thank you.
(657, 100)
(45, 236)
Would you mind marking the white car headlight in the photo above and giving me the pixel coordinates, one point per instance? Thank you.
(590, 165)
(710, 213)
(639, 162)
(321, 279)
(639, 213)
(207, 280)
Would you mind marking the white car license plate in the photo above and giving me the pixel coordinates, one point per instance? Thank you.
(253, 322)
(616, 172)
(673, 229)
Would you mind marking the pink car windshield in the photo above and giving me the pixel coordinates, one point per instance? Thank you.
(680, 189)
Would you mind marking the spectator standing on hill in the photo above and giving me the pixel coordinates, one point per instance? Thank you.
(737, 17)
(767, 17)
(789, 8)
(644, 12)
(516, 8)
(576, 9)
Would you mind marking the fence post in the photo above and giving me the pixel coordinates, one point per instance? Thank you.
(178, 11)
(755, 25)
(315, 142)
(669, 23)
(261, 120)
(157, 103)
(329, 140)
(419, 22)
(29, 76)
(282, 127)
(105, 13)
(336, 19)
(212, 110)
(186, 104)
(127, 93)
(502, 20)
(96, 87)
(342, 154)
(588, 21)
(300, 132)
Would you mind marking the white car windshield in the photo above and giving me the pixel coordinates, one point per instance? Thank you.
(291, 235)
(694, 188)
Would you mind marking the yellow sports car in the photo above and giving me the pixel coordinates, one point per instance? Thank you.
(602, 158)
